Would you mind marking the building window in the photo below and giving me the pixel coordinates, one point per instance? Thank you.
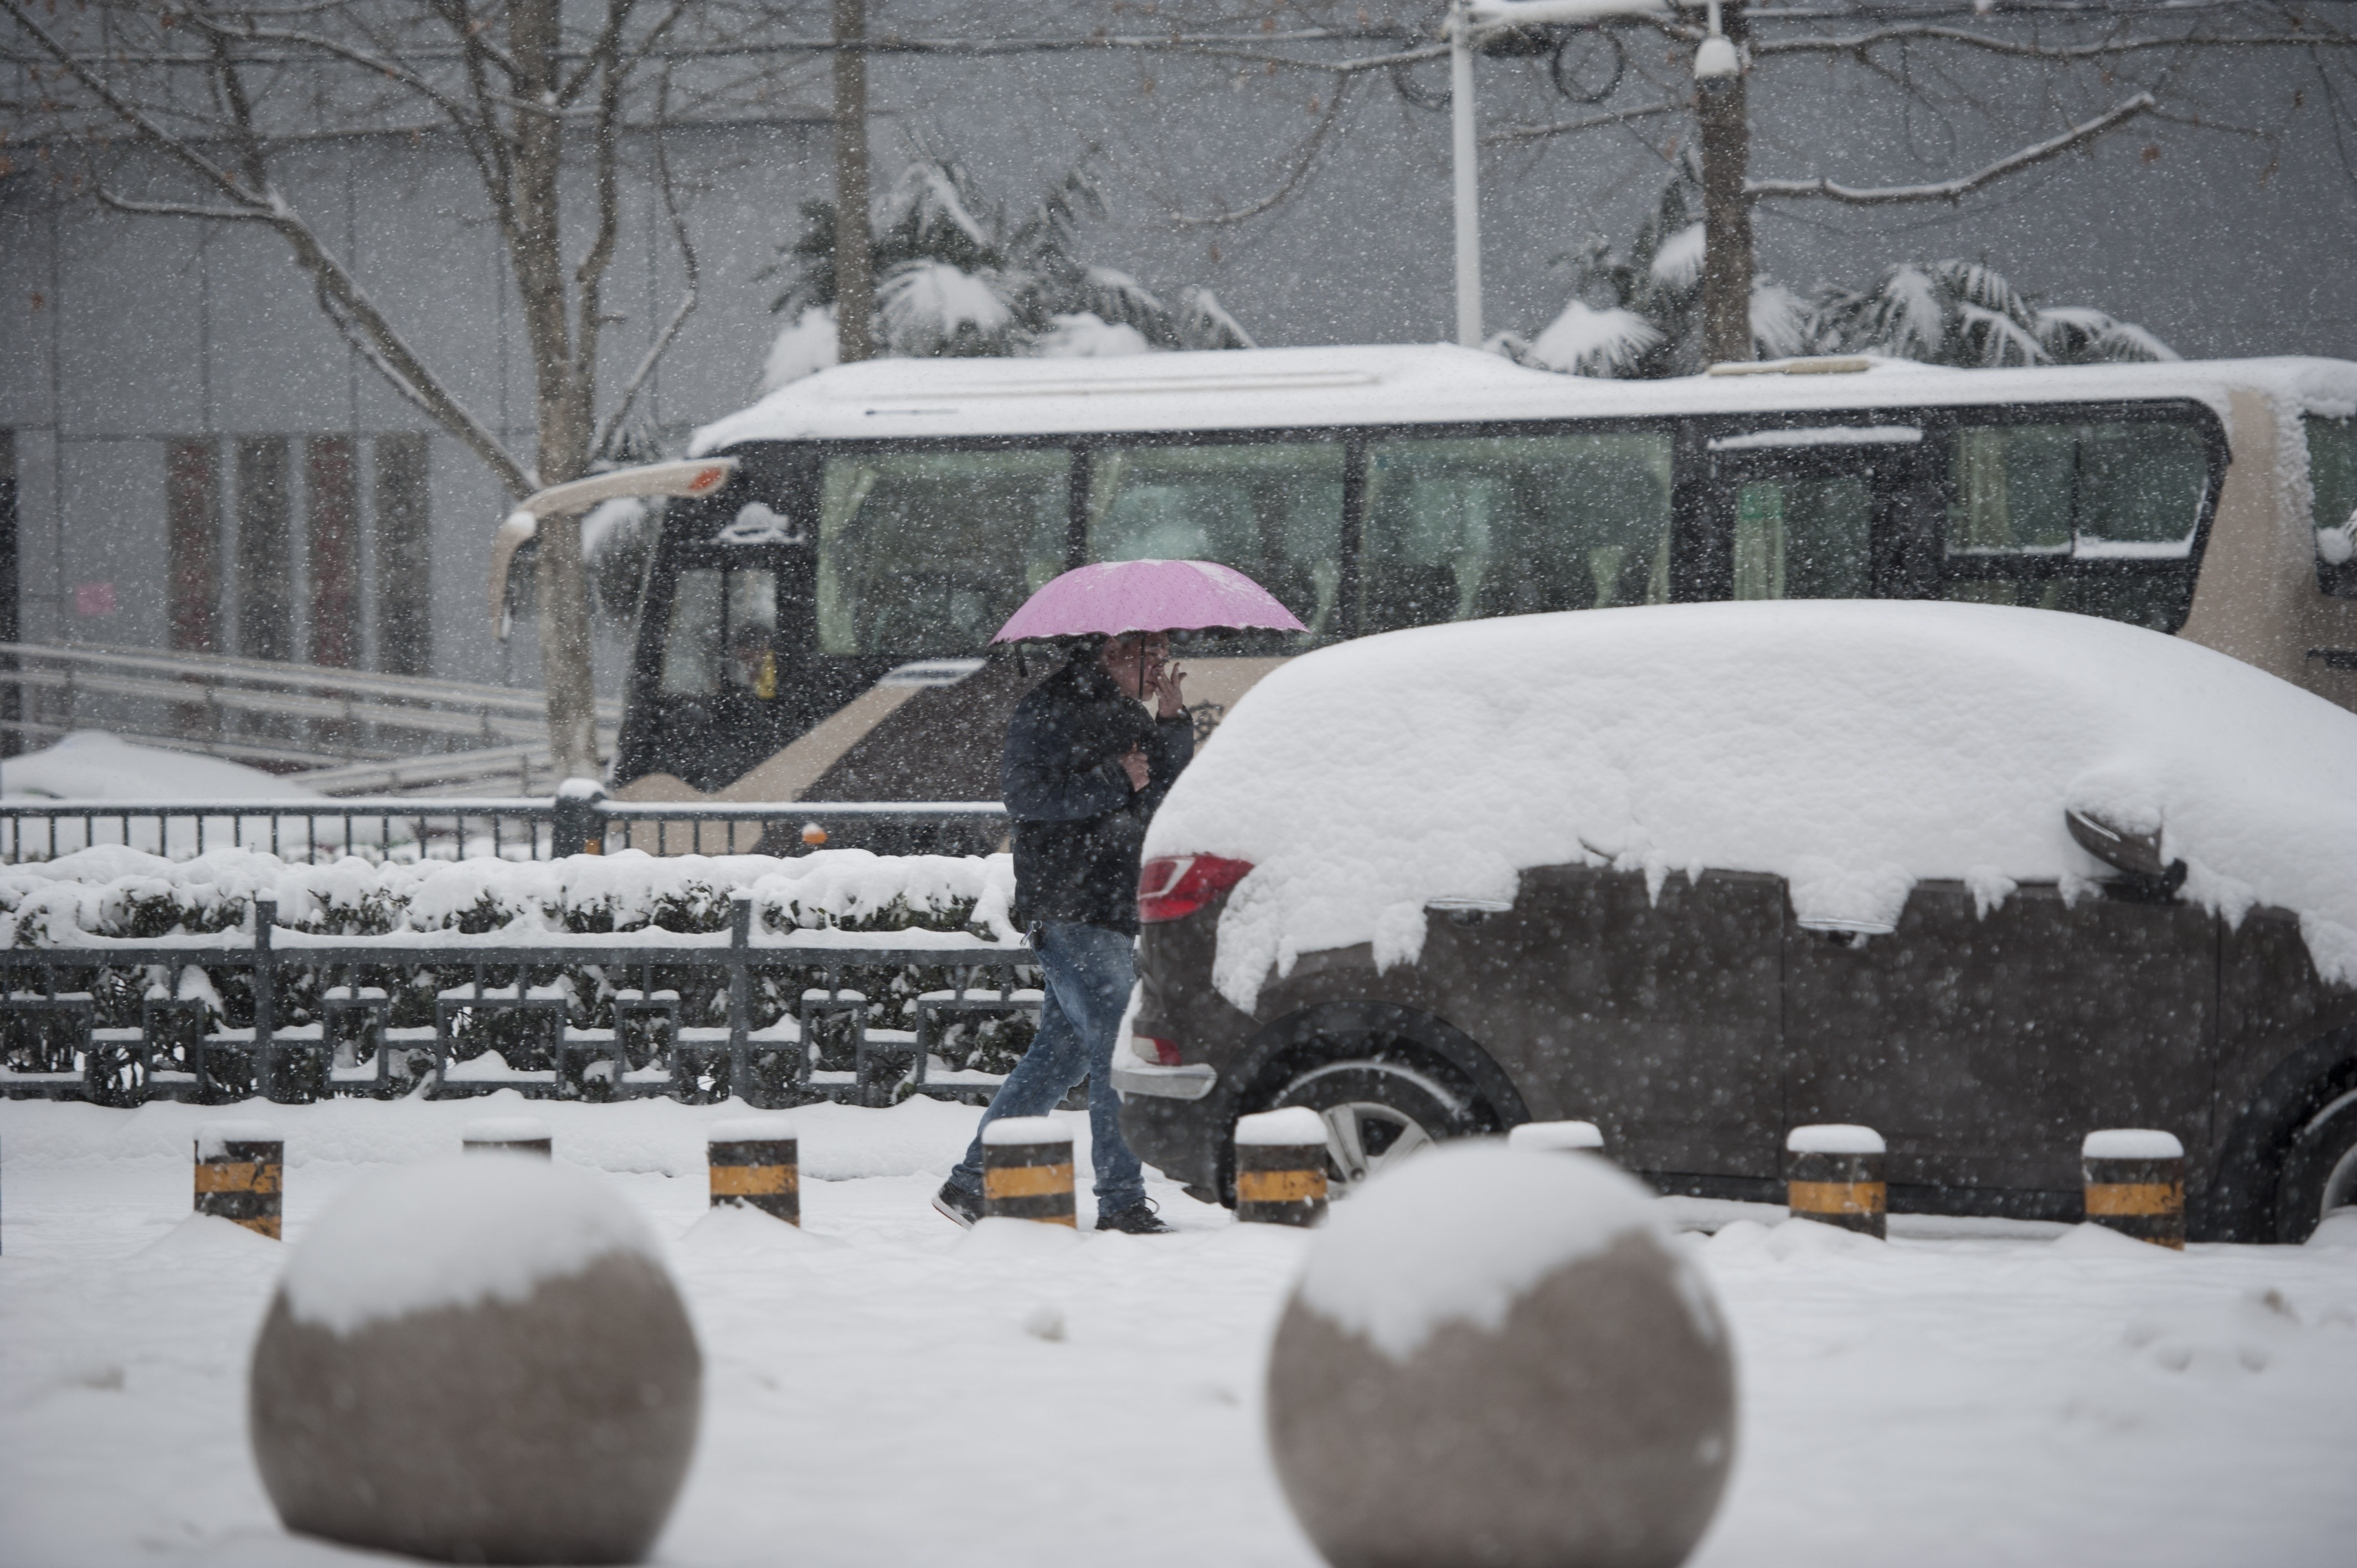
(332, 549)
(404, 621)
(265, 598)
(192, 543)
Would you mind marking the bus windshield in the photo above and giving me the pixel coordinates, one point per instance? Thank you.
(928, 552)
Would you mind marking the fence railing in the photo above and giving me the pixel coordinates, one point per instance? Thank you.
(504, 1028)
(262, 711)
(518, 828)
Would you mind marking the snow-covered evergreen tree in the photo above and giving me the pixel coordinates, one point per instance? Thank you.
(955, 278)
(1638, 314)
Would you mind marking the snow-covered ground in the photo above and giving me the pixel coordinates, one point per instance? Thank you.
(883, 1388)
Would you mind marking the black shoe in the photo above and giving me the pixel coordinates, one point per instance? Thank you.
(956, 1203)
(1137, 1219)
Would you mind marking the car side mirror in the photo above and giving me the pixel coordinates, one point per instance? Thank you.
(2145, 876)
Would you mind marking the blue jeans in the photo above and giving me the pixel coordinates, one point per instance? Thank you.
(1089, 971)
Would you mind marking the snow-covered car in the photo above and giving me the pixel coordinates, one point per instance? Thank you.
(1983, 878)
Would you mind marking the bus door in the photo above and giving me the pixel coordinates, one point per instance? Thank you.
(1826, 512)
(719, 682)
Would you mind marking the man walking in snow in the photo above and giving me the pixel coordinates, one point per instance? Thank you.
(1084, 770)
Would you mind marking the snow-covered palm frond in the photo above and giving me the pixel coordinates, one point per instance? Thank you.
(1204, 323)
(1586, 341)
(1909, 315)
(1048, 242)
(1678, 263)
(807, 344)
(1994, 339)
(930, 211)
(933, 307)
(1086, 336)
(1783, 323)
(1114, 295)
(1951, 312)
(1977, 284)
(2077, 335)
(953, 280)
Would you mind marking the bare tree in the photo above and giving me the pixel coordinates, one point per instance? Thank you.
(523, 91)
(2059, 75)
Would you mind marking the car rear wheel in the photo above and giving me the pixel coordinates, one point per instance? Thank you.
(2320, 1174)
(1378, 1112)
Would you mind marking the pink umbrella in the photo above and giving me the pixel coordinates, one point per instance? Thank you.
(1114, 597)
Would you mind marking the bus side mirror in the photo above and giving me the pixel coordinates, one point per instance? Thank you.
(520, 529)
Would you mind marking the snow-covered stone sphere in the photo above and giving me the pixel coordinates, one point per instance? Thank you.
(1500, 1357)
(478, 1360)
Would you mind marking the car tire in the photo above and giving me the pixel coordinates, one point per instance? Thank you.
(2319, 1170)
(1378, 1112)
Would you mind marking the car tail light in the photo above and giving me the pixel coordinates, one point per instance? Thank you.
(1150, 1047)
(1178, 885)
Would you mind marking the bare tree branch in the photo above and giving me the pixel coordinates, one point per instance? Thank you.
(1302, 162)
(688, 267)
(144, 209)
(1859, 43)
(1587, 123)
(1957, 189)
(345, 302)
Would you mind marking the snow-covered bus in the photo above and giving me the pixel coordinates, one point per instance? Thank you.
(815, 621)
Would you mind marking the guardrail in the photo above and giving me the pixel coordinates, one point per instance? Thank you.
(502, 1028)
(261, 711)
(516, 828)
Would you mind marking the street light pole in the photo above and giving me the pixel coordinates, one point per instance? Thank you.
(1469, 20)
(1467, 160)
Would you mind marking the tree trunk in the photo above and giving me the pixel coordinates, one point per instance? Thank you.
(1726, 212)
(563, 391)
(854, 267)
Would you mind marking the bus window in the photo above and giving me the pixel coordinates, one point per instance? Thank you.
(1509, 524)
(722, 633)
(1271, 509)
(1809, 538)
(928, 552)
(2332, 483)
(2099, 518)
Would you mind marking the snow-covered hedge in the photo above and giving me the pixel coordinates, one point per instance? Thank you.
(82, 899)
(110, 891)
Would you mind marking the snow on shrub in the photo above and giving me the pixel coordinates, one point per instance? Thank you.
(112, 893)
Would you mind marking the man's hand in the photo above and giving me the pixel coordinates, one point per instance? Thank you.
(1169, 703)
(1133, 764)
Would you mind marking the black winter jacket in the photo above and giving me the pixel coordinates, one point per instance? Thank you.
(1077, 824)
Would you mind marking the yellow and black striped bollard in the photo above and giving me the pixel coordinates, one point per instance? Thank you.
(2136, 1184)
(1834, 1176)
(1281, 1167)
(756, 1165)
(507, 1135)
(240, 1175)
(1557, 1137)
(1026, 1170)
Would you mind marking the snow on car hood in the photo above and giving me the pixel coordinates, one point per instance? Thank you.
(1852, 748)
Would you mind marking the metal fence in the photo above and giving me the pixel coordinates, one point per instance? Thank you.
(515, 829)
(512, 1023)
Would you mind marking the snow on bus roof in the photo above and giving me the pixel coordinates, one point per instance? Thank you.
(1851, 747)
(1422, 384)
